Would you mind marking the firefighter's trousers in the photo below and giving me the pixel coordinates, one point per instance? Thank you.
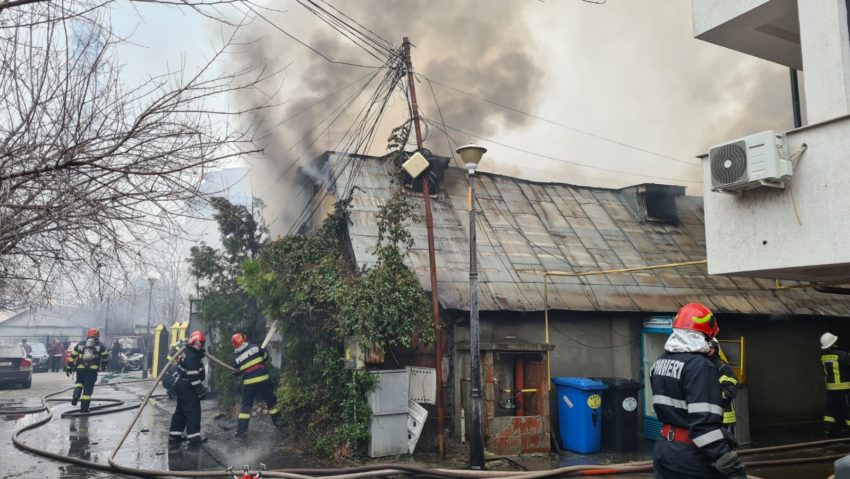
(265, 390)
(187, 414)
(677, 460)
(83, 387)
(836, 414)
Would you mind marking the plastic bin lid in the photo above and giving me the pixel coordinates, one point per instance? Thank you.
(585, 384)
(621, 383)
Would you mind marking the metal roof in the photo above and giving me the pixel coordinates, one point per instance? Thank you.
(527, 228)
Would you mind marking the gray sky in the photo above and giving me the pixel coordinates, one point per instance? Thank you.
(629, 71)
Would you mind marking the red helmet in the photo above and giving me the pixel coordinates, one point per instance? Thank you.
(697, 317)
(196, 340)
(93, 333)
(238, 339)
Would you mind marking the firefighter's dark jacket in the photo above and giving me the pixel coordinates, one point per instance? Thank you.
(250, 363)
(686, 394)
(75, 361)
(191, 369)
(836, 369)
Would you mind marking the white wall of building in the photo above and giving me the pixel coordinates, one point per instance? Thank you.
(801, 232)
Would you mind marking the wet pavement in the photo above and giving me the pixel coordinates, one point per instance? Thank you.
(92, 438)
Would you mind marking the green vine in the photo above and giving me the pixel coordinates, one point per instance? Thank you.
(311, 288)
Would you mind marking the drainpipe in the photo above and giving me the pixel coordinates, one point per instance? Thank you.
(795, 99)
(519, 385)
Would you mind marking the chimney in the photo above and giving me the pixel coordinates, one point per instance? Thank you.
(653, 203)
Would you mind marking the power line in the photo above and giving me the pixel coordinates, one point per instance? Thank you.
(317, 52)
(561, 160)
(384, 40)
(364, 43)
(561, 125)
(361, 136)
(363, 40)
(338, 110)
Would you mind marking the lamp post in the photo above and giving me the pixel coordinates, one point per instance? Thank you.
(471, 156)
(151, 281)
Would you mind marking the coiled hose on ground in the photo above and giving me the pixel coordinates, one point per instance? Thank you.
(360, 472)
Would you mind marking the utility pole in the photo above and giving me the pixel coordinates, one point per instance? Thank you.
(148, 330)
(429, 226)
(106, 326)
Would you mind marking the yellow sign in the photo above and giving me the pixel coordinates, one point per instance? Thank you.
(594, 401)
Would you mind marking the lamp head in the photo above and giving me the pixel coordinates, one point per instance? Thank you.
(471, 155)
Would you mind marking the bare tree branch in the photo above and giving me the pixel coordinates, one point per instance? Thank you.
(92, 171)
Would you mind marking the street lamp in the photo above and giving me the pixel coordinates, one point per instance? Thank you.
(151, 281)
(471, 156)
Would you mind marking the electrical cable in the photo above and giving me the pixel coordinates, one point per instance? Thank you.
(317, 52)
(561, 125)
(375, 35)
(391, 80)
(570, 162)
(339, 109)
(362, 40)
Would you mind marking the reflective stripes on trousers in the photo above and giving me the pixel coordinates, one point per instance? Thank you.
(257, 379)
(708, 438)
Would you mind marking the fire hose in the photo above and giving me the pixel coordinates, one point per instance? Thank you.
(376, 470)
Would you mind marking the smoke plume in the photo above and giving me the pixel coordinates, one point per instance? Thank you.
(487, 47)
(627, 71)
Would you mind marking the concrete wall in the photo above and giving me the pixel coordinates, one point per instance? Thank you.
(758, 233)
(710, 14)
(767, 29)
(586, 344)
(784, 374)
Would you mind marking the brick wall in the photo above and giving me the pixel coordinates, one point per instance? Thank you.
(515, 435)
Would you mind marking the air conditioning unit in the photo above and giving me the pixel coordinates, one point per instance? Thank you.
(750, 162)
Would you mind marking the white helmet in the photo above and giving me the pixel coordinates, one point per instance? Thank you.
(827, 340)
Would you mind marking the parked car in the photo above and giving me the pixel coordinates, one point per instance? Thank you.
(15, 367)
(40, 358)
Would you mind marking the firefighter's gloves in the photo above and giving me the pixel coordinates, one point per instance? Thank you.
(202, 394)
(237, 372)
(729, 466)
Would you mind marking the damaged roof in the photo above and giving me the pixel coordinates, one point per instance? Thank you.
(527, 228)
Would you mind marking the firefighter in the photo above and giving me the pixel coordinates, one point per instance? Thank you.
(189, 392)
(687, 400)
(250, 363)
(171, 376)
(728, 386)
(836, 370)
(86, 360)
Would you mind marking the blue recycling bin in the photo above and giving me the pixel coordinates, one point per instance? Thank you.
(580, 413)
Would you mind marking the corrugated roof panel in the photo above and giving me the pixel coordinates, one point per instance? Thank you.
(651, 299)
(562, 228)
(565, 202)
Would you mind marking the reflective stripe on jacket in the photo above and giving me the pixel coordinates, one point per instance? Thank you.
(836, 370)
(75, 361)
(250, 362)
(191, 369)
